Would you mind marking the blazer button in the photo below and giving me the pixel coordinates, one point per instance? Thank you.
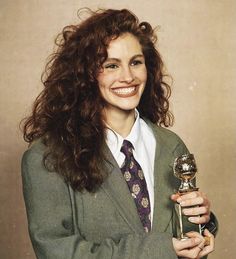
(66, 224)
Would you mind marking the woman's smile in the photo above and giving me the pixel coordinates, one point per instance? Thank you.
(127, 91)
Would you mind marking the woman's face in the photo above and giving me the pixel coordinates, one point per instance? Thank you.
(123, 77)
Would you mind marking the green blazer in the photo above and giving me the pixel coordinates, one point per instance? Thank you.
(65, 224)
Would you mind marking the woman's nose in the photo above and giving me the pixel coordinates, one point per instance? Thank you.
(126, 75)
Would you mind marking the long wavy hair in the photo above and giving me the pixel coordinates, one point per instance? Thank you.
(67, 114)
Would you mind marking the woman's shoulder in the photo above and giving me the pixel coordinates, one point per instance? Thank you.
(167, 138)
(35, 153)
(36, 147)
(163, 133)
(33, 166)
(37, 179)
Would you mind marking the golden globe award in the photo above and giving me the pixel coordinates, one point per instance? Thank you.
(185, 170)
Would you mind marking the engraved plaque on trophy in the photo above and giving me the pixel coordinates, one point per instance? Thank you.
(185, 170)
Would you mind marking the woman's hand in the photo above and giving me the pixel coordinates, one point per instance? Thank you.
(195, 205)
(193, 247)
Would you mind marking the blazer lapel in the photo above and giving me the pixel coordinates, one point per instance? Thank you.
(162, 186)
(118, 191)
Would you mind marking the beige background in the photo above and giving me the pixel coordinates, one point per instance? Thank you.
(197, 40)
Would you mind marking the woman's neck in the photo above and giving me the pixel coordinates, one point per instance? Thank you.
(120, 122)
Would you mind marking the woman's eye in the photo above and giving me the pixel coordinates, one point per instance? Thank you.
(111, 66)
(136, 62)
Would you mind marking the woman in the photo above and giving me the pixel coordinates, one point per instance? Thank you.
(98, 118)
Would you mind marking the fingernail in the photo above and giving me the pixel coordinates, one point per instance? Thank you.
(179, 200)
(192, 219)
(182, 203)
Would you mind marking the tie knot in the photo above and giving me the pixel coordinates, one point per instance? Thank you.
(127, 148)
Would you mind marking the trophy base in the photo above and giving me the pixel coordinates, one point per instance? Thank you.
(206, 243)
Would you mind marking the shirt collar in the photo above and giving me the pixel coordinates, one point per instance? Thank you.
(134, 134)
(115, 140)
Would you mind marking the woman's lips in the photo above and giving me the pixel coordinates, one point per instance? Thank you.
(125, 91)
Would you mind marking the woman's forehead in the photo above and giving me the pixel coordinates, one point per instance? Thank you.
(124, 45)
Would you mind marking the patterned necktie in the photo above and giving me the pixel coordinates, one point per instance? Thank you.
(134, 177)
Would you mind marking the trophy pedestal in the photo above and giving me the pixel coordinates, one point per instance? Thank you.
(183, 225)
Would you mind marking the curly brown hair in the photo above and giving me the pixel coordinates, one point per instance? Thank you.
(67, 115)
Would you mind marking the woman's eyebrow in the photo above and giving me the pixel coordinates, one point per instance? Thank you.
(119, 60)
(112, 60)
(138, 56)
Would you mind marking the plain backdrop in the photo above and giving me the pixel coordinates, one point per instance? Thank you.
(197, 39)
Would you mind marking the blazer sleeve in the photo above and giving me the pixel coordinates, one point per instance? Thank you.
(52, 227)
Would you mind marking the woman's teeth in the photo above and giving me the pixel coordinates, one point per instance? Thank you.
(124, 91)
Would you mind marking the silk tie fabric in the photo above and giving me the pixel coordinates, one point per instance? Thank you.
(136, 182)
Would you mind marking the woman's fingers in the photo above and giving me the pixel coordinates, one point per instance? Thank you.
(194, 204)
(207, 249)
(203, 219)
(190, 247)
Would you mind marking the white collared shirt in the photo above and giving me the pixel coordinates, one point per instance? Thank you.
(143, 140)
